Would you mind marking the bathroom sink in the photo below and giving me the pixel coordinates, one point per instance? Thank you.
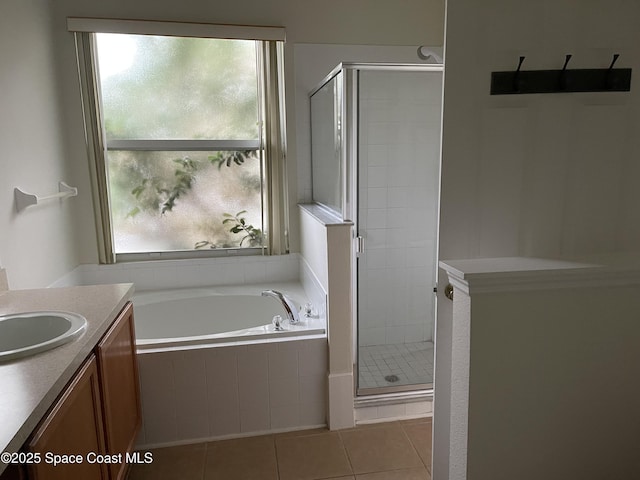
(25, 334)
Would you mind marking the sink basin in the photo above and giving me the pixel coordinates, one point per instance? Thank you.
(24, 334)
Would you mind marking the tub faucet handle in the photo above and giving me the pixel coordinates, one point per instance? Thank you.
(308, 309)
(277, 323)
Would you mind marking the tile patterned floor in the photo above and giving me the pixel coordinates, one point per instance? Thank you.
(411, 363)
(389, 451)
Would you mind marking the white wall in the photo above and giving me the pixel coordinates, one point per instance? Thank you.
(535, 175)
(36, 245)
(377, 22)
(539, 175)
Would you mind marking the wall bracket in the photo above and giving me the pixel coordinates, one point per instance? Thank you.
(24, 200)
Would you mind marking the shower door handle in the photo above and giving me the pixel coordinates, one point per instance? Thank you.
(359, 244)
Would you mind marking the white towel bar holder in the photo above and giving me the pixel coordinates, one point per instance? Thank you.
(24, 200)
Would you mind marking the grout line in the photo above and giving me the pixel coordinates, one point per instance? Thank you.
(275, 452)
(415, 448)
(346, 452)
(204, 459)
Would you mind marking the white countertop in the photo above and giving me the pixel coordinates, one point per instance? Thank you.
(29, 386)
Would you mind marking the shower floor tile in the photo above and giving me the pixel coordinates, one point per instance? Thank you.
(411, 363)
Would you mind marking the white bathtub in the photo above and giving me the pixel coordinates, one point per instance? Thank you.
(195, 318)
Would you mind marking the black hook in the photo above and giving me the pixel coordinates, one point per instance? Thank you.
(563, 73)
(516, 76)
(609, 76)
(615, 59)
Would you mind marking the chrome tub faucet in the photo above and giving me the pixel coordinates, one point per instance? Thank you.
(287, 304)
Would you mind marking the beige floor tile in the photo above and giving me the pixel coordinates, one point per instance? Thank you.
(380, 449)
(312, 457)
(252, 458)
(420, 436)
(173, 463)
(375, 452)
(405, 474)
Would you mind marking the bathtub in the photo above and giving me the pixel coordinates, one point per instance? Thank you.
(201, 317)
(212, 366)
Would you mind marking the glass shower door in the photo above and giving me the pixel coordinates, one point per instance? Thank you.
(399, 123)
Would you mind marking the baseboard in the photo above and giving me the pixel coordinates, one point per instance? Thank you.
(177, 443)
(341, 413)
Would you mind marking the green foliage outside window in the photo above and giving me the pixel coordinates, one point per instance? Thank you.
(170, 88)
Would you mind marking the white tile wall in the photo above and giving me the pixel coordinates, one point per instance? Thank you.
(232, 391)
(165, 274)
(398, 173)
(313, 289)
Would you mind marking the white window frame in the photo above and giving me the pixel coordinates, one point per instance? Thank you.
(272, 143)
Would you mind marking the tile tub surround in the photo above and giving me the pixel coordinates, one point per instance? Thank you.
(391, 451)
(167, 274)
(31, 385)
(232, 391)
(313, 289)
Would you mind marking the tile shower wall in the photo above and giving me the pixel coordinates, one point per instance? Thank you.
(399, 138)
(232, 391)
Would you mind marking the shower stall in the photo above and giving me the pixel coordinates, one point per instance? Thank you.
(375, 153)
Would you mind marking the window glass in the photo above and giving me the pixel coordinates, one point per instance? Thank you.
(181, 118)
(170, 201)
(326, 150)
(156, 87)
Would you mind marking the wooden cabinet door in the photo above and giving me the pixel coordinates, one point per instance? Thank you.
(72, 427)
(118, 369)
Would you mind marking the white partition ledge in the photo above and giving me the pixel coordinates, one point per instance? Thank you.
(508, 274)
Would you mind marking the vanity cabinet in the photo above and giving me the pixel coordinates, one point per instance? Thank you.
(74, 426)
(118, 372)
(97, 413)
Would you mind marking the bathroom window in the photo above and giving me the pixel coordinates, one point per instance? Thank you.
(187, 137)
